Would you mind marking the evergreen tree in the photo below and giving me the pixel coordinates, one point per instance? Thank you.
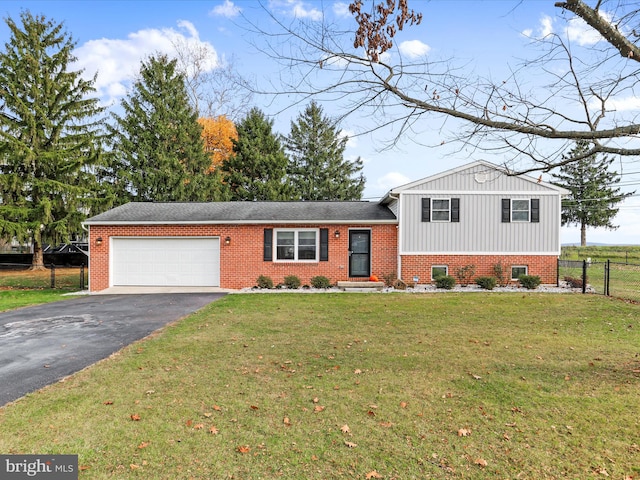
(158, 144)
(593, 198)
(257, 168)
(50, 137)
(318, 169)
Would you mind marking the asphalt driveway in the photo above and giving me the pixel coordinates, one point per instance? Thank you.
(42, 344)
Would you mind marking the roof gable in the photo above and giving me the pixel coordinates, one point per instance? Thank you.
(478, 176)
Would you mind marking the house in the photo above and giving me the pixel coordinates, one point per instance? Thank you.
(473, 215)
(477, 215)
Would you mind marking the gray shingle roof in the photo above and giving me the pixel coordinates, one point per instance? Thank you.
(245, 212)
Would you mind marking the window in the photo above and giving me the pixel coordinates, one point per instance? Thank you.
(518, 270)
(439, 271)
(521, 210)
(440, 210)
(296, 245)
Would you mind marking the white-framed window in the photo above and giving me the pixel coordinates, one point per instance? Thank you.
(439, 271)
(440, 210)
(296, 245)
(517, 270)
(520, 210)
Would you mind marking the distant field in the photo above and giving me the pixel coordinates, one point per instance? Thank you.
(622, 254)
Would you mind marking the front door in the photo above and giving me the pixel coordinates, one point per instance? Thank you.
(359, 253)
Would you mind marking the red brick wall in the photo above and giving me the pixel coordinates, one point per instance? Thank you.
(544, 266)
(241, 262)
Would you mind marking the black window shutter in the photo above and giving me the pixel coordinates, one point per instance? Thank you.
(506, 210)
(426, 209)
(455, 209)
(324, 244)
(535, 210)
(268, 244)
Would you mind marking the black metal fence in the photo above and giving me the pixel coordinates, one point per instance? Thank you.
(609, 278)
(22, 276)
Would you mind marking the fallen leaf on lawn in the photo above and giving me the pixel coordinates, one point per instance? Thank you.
(371, 413)
(82, 468)
(108, 402)
(351, 444)
(286, 421)
(373, 474)
(135, 417)
(143, 445)
(480, 461)
(217, 408)
(318, 408)
(403, 404)
(475, 377)
(464, 432)
(314, 458)
(601, 471)
(386, 424)
(189, 423)
(357, 371)
(506, 437)
(207, 415)
(253, 407)
(316, 400)
(213, 430)
(133, 466)
(198, 426)
(345, 428)
(243, 449)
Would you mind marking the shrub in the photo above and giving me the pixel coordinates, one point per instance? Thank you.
(573, 282)
(292, 282)
(500, 272)
(488, 283)
(320, 282)
(529, 282)
(264, 282)
(464, 274)
(445, 281)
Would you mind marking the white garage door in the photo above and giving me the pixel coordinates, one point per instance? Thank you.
(186, 262)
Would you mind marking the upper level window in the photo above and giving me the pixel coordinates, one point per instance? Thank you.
(440, 210)
(296, 245)
(520, 210)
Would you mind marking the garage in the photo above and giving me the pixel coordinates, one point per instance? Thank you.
(165, 261)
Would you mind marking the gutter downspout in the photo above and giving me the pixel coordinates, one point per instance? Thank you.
(399, 259)
(86, 229)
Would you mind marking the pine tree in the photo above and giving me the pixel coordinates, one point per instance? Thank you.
(593, 198)
(50, 137)
(256, 170)
(318, 169)
(158, 143)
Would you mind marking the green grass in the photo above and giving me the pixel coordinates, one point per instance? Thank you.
(601, 253)
(445, 386)
(64, 278)
(10, 299)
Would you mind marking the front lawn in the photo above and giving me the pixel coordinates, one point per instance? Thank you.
(393, 386)
(10, 299)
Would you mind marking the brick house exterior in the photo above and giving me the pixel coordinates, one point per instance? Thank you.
(476, 215)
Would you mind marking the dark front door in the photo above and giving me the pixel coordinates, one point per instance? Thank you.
(359, 253)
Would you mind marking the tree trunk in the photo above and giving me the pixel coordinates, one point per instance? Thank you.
(583, 235)
(37, 263)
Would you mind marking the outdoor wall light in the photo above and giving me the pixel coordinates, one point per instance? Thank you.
(98, 241)
(227, 241)
(337, 233)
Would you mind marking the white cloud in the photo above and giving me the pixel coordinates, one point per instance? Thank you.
(414, 48)
(391, 180)
(581, 33)
(352, 141)
(297, 8)
(620, 104)
(341, 9)
(228, 9)
(117, 61)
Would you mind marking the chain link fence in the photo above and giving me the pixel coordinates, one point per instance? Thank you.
(615, 279)
(21, 276)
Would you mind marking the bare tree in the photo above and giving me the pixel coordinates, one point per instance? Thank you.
(214, 85)
(528, 126)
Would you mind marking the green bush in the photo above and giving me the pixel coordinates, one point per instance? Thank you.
(464, 274)
(445, 281)
(530, 282)
(488, 283)
(320, 282)
(292, 282)
(264, 282)
(499, 270)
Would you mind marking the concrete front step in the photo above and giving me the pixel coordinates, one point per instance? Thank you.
(360, 286)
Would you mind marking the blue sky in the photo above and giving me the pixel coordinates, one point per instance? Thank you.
(487, 37)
